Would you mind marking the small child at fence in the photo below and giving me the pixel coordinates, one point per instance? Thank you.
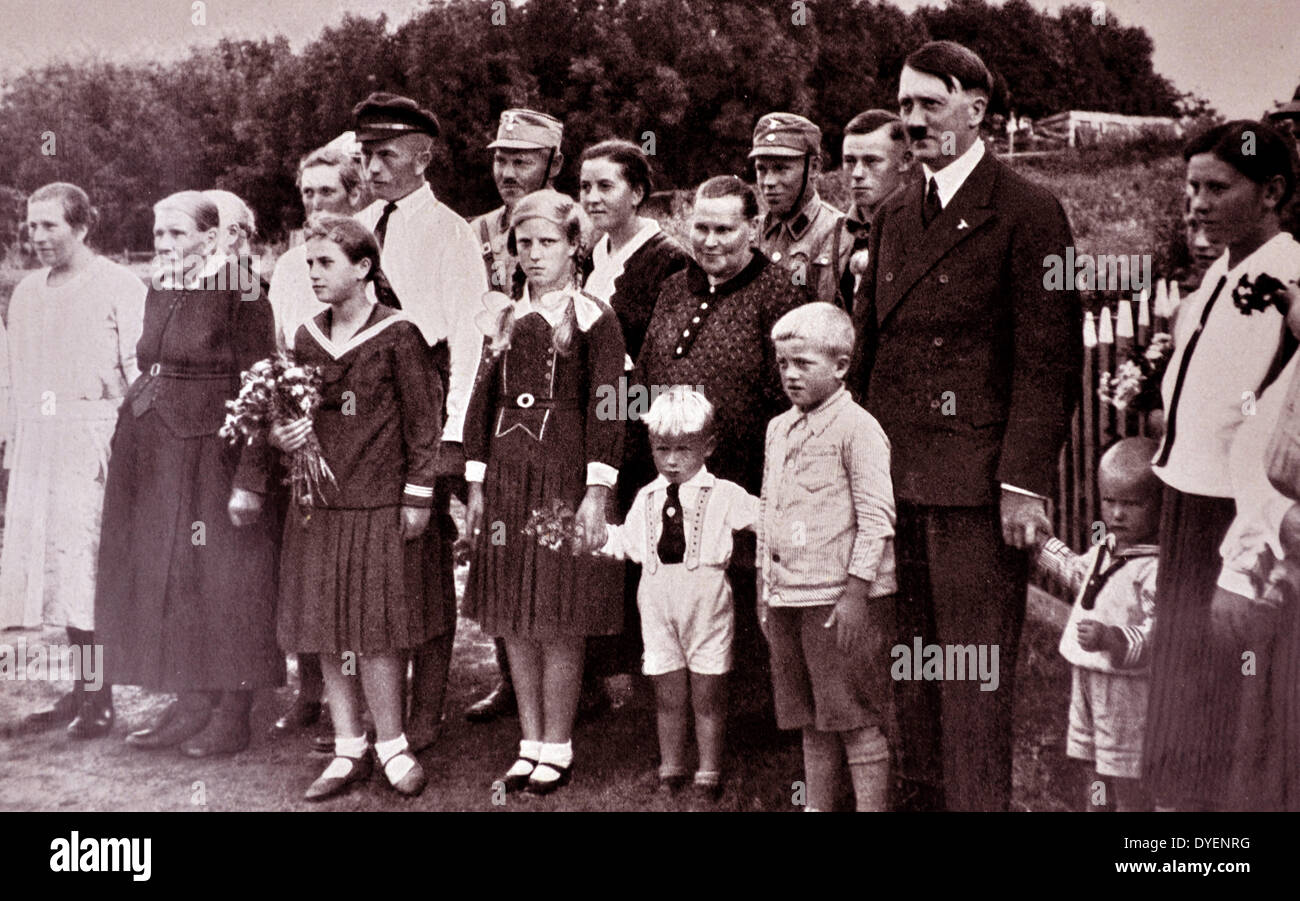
(1107, 637)
(826, 563)
(679, 529)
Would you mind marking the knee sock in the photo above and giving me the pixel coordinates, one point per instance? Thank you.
(867, 752)
(822, 759)
(556, 754)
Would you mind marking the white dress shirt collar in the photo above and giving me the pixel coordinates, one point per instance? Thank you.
(607, 264)
(702, 479)
(952, 176)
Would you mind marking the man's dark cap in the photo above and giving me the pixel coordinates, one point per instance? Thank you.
(382, 116)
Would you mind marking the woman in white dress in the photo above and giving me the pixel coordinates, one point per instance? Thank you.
(73, 327)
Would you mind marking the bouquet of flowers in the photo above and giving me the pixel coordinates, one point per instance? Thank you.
(1136, 383)
(554, 528)
(273, 392)
(1258, 294)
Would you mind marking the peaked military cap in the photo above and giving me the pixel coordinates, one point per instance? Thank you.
(526, 129)
(785, 134)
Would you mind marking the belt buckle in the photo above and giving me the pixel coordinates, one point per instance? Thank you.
(525, 400)
(155, 369)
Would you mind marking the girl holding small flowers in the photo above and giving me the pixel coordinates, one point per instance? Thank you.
(535, 443)
(353, 568)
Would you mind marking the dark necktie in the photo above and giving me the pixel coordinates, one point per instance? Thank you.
(672, 539)
(1171, 417)
(932, 205)
(381, 227)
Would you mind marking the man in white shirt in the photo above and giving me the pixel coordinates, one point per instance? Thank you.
(434, 264)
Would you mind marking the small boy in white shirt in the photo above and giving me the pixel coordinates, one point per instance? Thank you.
(679, 529)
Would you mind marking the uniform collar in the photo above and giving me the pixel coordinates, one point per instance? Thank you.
(798, 224)
(697, 280)
(952, 176)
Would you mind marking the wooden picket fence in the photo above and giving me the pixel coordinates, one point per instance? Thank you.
(1120, 326)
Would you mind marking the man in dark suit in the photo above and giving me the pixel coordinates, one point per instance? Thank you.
(972, 368)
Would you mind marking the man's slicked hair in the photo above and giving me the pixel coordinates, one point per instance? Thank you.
(957, 66)
(874, 120)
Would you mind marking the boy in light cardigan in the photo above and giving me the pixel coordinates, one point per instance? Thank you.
(826, 562)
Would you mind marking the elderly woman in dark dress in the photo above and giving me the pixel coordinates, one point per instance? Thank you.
(186, 591)
(710, 327)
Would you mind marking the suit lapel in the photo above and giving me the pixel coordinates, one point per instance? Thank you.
(920, 249)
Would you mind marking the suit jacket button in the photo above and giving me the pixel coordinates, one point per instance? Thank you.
(943, 279)
(934, 404)
(889, 276)
(938, 342)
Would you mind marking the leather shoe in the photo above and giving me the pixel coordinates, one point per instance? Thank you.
(413, 782)
(63, 711)
(499, 702)
(225, 733)
(173, 727)
(299, 716)
(329, 786)
(519, 783)
(95, 718)
(545, 787)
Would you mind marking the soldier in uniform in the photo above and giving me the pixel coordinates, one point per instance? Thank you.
(800, 231)
(526, 157)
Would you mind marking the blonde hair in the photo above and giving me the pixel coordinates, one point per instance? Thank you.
(681, 410)
(565, 214)
(821, 324)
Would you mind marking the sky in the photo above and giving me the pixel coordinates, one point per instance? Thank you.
(1242, 55)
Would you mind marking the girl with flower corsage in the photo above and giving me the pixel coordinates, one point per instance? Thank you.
(535, 441)
(352, 572)
(1231, 344)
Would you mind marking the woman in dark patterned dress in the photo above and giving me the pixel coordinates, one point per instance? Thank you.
(532, 437)
(711, 327)
(353, 571)
(186, 590)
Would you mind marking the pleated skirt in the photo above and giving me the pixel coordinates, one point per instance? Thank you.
(348, 582)
(519, 589)
(1194, 685)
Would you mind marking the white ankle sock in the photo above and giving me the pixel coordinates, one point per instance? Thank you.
(528, 750)
(351, 747)
(557, 755)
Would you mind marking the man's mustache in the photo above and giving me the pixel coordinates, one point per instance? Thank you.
(916, 132)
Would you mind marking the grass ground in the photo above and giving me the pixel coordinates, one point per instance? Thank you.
(1127, 205)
